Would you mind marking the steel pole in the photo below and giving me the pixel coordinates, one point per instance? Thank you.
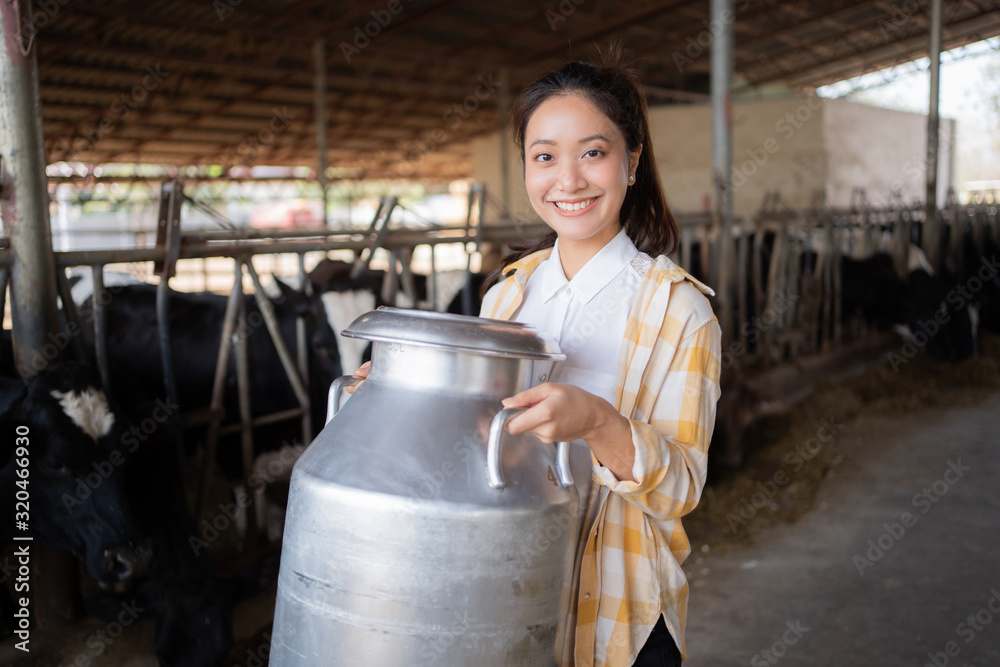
(931, 236)
(35, 319)
(503, 108)
(722, 150)
(25, 208)
(319, 92)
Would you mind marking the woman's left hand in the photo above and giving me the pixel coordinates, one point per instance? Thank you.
(557, 412)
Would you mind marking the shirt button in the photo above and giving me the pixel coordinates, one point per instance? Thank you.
(543, 377)
(569, 291)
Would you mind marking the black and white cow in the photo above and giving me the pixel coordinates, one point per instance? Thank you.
(346, 298)
(60, 428)
(196, 323)
(105, 485)
(870, 290)
(978, 278)
(927, 314)
(925, 308)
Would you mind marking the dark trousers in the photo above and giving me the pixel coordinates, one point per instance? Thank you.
(659, 650)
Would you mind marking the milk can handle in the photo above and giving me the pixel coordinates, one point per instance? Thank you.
(493, 468)
(333, 400)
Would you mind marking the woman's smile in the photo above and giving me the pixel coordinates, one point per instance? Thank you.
(575, 207)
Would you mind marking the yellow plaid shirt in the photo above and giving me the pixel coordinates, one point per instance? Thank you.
(668, 386)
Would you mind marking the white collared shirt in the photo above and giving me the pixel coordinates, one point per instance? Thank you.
(586, 315)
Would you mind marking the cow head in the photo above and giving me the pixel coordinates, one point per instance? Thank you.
(77, 502)
(322, 339)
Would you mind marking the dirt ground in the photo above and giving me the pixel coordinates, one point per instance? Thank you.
(789, 456)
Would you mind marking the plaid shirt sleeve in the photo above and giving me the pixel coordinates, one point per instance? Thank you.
(674, 409)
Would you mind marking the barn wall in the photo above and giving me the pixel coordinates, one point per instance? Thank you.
(777, 145)
(796, 146)
(883, 152)
(486, 169)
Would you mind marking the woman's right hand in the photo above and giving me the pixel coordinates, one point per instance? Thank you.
(362, 373)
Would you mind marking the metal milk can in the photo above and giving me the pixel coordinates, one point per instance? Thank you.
(418, 531)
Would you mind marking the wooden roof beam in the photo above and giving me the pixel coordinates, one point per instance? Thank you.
(873, 32)
(824, 19)
(635, 15)
(910, 48)
(214, 112)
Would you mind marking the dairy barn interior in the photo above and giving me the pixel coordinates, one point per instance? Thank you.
(197, 197)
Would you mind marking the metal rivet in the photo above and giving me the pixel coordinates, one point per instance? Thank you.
(586, 596)
(543, 377)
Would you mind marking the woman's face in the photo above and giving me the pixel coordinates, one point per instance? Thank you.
(576, 170)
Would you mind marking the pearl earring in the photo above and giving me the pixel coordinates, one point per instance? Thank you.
(631, 179)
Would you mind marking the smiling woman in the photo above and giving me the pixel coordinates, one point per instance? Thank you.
(577, 169)
(641, 377)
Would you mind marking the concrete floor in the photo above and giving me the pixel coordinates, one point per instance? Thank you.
(845, 585)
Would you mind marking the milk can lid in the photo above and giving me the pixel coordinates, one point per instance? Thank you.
(461, 333)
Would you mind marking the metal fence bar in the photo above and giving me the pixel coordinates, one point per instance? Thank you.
(219, 385)
(100, 326)
(246, 428)
(271, 320)
(163, 334)
(303, 350)
(274, 417)
(80, 350)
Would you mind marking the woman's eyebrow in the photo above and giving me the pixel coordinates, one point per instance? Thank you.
(584, 140)
(542, 141)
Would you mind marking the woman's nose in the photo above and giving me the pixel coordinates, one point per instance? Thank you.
(571, 178)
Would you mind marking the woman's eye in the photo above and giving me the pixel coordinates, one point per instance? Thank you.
(594, 152)
(543, 157)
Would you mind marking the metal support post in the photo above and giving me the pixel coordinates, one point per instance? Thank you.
(722, 152)
(168, 241)
(319, 91)
(503, 108)
(246, 416)
(931, 235)
(25, 205)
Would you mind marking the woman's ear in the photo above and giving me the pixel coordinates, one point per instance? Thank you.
(633, 163)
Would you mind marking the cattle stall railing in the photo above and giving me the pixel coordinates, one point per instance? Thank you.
(787, 328)
(795, 255)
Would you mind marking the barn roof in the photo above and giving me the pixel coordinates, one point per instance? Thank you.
(409, 82)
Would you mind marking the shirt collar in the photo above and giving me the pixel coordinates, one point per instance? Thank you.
(595, 275)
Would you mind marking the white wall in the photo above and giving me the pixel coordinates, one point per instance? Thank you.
(882, 151)
(777, 145)
(486, 169)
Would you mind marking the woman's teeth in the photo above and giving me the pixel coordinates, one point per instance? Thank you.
(565, 206)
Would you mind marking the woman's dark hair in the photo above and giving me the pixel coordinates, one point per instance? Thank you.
(615, 91)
